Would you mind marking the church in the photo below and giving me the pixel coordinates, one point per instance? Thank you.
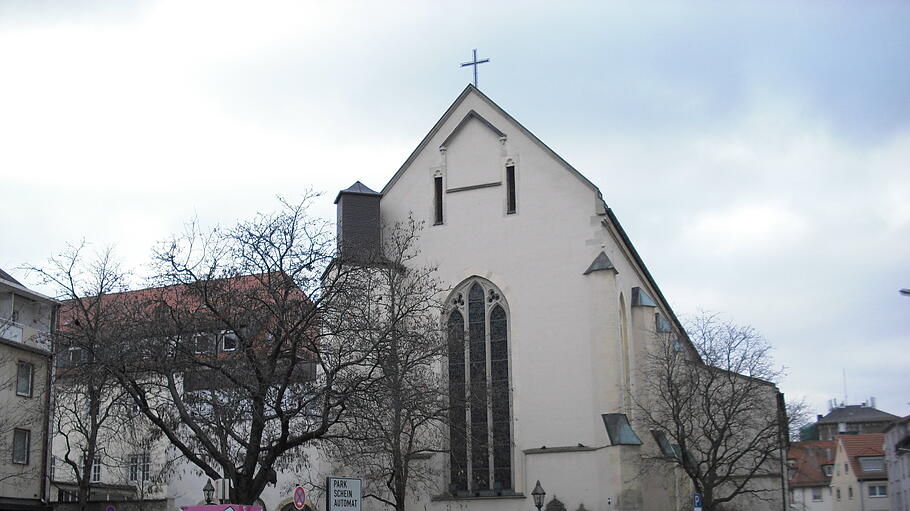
(556, 309)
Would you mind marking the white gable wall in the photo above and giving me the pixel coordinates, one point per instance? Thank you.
(565, 354)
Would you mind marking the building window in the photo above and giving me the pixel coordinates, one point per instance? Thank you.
(22, 439)
(872, 463)
(478, 362)
(828, 469)
(139, 467)
(437, 200)
(24, 375)
(229, 341)
(203, 343)
(846, 468)
(838, 494)
(510, 189)
(878, 490)
(850, 492)
(816, 494)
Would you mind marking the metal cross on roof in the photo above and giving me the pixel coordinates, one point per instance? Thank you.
(474, 63)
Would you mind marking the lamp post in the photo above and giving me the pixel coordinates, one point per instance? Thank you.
(538, 493)
(208, 490)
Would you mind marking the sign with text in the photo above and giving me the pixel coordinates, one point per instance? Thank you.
(696, 502)
(342, 494)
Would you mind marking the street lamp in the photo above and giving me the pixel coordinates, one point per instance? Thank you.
(538, 495)
(208, 490)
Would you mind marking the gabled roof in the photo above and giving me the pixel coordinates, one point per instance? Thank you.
(470, 89)
(610, 220)
(7, 276)
(7, 281)
(807, 459)
(856, 446)
(857, 413)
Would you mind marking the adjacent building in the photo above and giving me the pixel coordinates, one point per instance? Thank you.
(860, 480)
(860, 419)
(811, 465)
(26, 320)
(897, 463)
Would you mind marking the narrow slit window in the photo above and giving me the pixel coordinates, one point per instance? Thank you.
(437, 185)
(510, 189)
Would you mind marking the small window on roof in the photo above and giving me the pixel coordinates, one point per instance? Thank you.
(828, 469)
(619, 429)
(872, 463)
(229, 341)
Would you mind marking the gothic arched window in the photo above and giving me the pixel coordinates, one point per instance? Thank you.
(480, 423)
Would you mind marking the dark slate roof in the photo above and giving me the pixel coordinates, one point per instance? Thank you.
(600, 263)
(357, 188)
(7, 276)
(857, 413)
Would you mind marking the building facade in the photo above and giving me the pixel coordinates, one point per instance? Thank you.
(558, 312)
(855, 419)
(860, 480)
(897, 462)
(811, 465)
(26, 319)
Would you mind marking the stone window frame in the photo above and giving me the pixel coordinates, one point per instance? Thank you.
(458, 301)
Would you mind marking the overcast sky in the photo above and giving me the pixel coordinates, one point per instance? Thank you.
(757, 155)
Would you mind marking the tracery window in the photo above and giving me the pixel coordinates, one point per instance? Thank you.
(480, 424)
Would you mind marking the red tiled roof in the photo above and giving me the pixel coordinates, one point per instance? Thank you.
(807, 459)
(870, 444)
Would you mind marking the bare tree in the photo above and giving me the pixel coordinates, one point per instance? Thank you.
(388, 434)
(86, 395)
(247, 351)
(716, 412)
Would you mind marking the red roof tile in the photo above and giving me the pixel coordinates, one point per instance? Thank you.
(870, 444)
(806, 462)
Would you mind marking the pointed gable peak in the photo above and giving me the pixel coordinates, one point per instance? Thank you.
(357, 188)
(467, 118)
(512, 124)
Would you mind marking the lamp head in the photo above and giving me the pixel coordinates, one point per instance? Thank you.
(538, 494)
(208, 490)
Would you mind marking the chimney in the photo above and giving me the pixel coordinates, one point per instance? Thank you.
(872, 402)
(358, 223)
(818, 417)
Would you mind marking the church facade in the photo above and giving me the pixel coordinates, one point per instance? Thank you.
(556, 310)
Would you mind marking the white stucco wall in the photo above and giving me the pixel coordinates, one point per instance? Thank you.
(565, 353)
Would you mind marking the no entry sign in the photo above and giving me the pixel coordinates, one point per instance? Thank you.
(299, 497)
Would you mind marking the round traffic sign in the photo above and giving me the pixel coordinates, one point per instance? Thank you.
(299, 497)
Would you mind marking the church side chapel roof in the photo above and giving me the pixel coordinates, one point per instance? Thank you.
(610, 221)
(600, 263)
